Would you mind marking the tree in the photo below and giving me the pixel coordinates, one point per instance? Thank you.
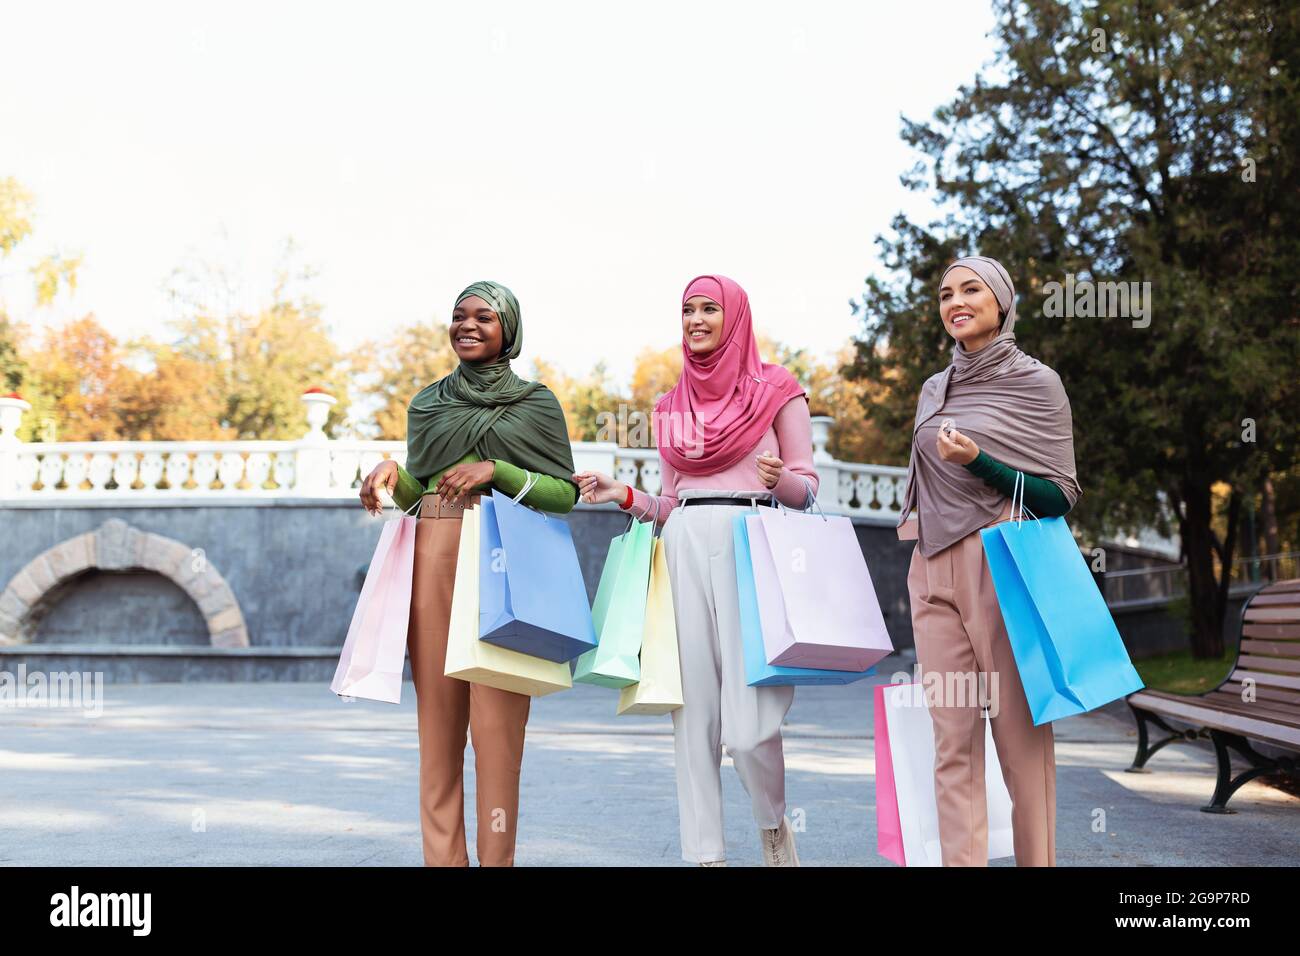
(16, 210)
(13, 368)
(79, 369)
(264, 357)
(588, 402)
(50, 274)
(393, 370)
(176, 398)
(1151, 142)
(655, 372)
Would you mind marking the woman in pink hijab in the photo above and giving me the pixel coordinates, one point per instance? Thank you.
(734, 431)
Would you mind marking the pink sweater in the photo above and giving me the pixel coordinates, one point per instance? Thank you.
(789, 437)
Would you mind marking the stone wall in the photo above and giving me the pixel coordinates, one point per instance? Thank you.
(265, 588)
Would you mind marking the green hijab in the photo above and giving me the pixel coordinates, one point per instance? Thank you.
(486, 408)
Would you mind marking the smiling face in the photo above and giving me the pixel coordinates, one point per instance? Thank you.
(701, 324)
(968, 308)
(475, 330)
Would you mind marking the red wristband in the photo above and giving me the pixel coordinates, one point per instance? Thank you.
(627, 502)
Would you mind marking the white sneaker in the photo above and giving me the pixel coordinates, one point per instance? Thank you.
(778, 846)
(714, 863)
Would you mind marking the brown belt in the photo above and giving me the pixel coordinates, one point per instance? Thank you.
(436, 506)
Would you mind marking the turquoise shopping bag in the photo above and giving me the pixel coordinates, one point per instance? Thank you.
(1068, 651)
(758, 672)
(532, 598)
(618, 611)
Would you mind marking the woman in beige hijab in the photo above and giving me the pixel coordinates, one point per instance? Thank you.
(993, 415)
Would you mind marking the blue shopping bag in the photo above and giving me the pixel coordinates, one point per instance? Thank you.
(1068, 651)
(532, 598)
(758, 672)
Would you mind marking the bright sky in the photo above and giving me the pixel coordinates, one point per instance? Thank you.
(592, 156)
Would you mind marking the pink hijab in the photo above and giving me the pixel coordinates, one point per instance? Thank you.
(726, 399)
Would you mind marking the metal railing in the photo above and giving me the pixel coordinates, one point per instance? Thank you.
(1168, 582)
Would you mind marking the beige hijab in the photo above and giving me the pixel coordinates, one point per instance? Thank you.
(1013, 406)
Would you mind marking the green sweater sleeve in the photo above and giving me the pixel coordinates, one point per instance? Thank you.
(556, 495)
(408, 489)
(1042, 496)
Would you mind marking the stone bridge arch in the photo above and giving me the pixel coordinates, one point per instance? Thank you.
(118, 546)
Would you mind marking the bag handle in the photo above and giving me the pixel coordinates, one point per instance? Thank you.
(405, 511)
(809, 499)
(812, 498)
(1018, 496)
(633, 518)
(532, 479)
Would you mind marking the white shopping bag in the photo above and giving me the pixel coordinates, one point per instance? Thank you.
(911, 744)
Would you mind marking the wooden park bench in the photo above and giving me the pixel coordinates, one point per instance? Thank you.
(1258, 700)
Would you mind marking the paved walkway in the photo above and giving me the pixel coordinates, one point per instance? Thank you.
(276, 773)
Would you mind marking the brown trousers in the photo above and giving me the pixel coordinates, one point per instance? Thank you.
(447, 707)
(958, 629)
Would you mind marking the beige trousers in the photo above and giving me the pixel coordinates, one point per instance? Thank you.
(447, 707)
(959, 630)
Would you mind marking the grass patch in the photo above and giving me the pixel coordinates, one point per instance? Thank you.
(1180, 673)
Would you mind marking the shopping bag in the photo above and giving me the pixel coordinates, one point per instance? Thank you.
(619, 610)
(758, 672)
(889, 828)
(816, 600)
(532, 598)
(481, 662)
(374, 651)
(659, 690)
(1068, 651)
(910, 735)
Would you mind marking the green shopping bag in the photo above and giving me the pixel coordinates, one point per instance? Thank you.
(618, 612)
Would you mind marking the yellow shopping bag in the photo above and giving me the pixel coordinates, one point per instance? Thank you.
(660, 689)
(479, 662)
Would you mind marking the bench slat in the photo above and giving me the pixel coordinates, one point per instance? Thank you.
(1289, 649)
(1286, 714)
(1277, 631)
(1253, 661)
(1272, 680)
(1267, 598)
(1201, 716)
(1264, 693)
(1291, 584)
(1282, 614)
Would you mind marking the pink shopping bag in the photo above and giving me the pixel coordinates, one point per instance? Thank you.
(375, 650)
(889, 828)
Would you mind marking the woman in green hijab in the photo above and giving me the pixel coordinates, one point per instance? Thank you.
(481, 427)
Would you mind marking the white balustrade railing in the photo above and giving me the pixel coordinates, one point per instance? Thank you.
(316, 466)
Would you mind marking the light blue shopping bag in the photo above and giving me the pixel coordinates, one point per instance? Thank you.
(1068, 651)
(758, 672)
(532, 598)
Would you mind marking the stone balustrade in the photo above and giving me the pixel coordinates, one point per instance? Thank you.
(315, 466)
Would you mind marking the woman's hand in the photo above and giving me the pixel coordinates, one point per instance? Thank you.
(769, 469)
(384, 475)
(458, 480)
(596, 488)
(956, 447)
